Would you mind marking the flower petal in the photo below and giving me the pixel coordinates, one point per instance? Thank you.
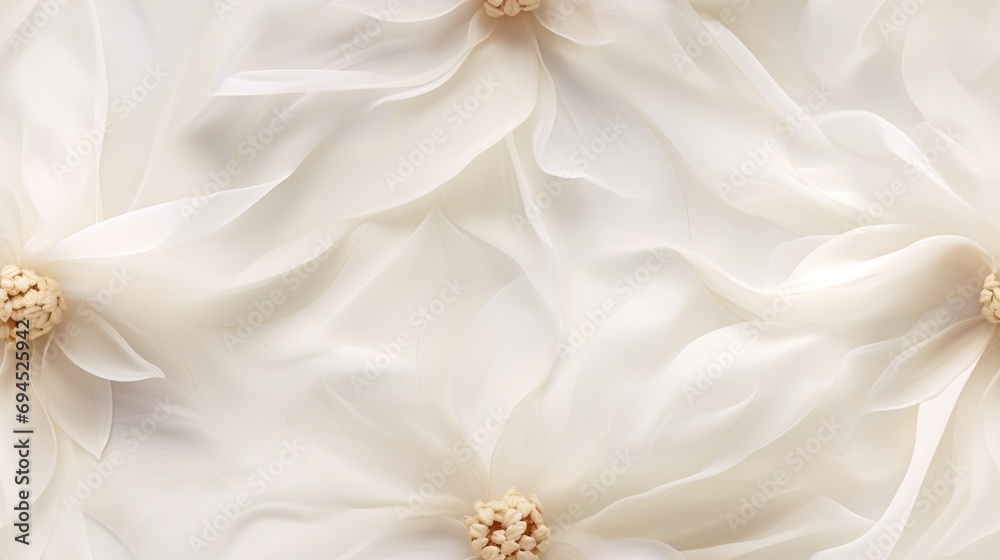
(395, 11)
(392, 55)
(79, 402)
(606, 142)
(633, 549)
(149, 228)
(923, 370)
(97, 348)
(432, 138)
(54, 89)
(576, 21)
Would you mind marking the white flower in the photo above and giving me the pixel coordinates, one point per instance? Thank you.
(889, 179)
(588, 89)
(406, 441)
(113, 262)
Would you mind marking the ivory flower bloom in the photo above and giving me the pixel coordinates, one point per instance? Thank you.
(111, 262)
(430, 86)
(631, 442)
(898, 177)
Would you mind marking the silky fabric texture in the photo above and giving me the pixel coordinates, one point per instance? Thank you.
(703, 276)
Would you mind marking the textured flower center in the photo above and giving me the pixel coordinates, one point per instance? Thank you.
(25, 295)
(497, 8)
(508, 529)
(990, 298)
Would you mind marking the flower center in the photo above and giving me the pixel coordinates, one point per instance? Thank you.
(511, 529)
(26, 296)
(497, 8)
(990, 298)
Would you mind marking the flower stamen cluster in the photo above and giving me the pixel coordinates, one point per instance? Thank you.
(990, 298)
(508, 529)
(497, 8)
(26, 296)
